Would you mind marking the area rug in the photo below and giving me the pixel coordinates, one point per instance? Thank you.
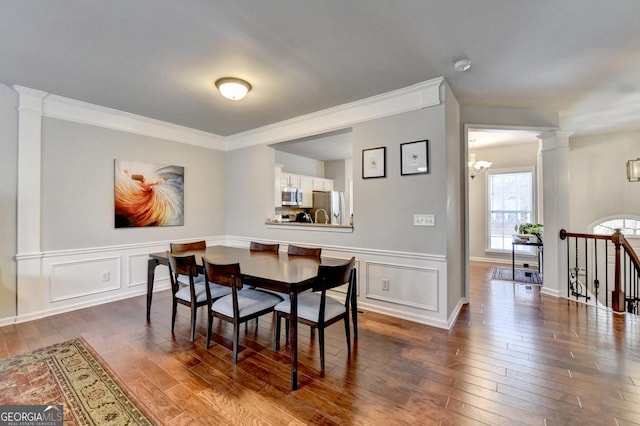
(72, 375)
(526, 276)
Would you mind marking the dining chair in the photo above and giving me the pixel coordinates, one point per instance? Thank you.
(316, 309)
(270, 248)
(194, 294)
(185, 247)
(255, 246)
(192, 246)
(294, 250)
(242, 305)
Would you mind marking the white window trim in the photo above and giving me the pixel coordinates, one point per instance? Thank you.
(534, 188)
(600, 221)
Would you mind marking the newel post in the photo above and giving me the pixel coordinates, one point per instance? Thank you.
(617, 294)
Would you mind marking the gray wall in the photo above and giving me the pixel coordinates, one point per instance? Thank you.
(77, 186)
(8, 199)
(298, 165)
(250, 190)
(383, 208)
(336, 170)
(509, 116)
(599, 186)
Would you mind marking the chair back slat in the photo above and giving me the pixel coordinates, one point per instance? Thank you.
(334, 276)
(255, 246)
(182, 265)
(182, 247)
(227, 275)
(304, 251)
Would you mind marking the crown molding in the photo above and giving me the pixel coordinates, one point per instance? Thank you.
(418, 96)
(29, 100)
(73, 110)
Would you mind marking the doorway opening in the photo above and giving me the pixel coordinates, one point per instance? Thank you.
(507, 149)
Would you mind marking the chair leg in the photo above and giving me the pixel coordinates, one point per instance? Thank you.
(194, 311)
(236, 339)
(321, 336)
(347, 331)
(246, 325)
(276, 337)
(209, 326)
(286, 329)
(354, 316)
(173, 315)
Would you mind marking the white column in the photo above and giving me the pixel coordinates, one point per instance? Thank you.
(29, 168)
(31, 297)
(555, 194)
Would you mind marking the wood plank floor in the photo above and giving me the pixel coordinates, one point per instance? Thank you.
(515, 356)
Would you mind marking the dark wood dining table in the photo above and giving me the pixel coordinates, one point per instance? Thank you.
(274, 271)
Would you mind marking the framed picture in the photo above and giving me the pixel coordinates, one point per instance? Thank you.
(374, 163)
(148, 194)
(414, 158)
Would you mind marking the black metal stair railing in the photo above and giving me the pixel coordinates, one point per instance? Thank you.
(603, 269)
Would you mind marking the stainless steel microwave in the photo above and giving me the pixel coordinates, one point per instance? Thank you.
(291, 197)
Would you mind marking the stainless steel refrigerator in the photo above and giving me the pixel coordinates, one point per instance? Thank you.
(332, 202)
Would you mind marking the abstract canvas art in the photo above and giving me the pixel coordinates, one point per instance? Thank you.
(148, 194)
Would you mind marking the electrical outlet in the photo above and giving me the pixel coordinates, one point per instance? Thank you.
(385, 284)
(424, 220)
(106, 276)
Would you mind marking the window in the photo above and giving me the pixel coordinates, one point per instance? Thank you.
(627, 225)
(510, 203)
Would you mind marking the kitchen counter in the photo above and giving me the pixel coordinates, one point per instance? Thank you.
(305, 226)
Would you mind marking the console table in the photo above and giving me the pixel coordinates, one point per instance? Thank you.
(538, 246)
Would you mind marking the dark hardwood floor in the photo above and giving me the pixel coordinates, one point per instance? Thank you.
(514, 357)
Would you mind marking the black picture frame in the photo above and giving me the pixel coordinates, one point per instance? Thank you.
(374, 163)
(414, 158)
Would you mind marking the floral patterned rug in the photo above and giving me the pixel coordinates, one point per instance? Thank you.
(72, 375)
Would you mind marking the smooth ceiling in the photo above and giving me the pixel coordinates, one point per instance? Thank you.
(159, 58)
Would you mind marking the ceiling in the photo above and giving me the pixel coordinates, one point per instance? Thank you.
(159, 58)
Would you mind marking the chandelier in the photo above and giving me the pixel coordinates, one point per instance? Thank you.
(477, 167)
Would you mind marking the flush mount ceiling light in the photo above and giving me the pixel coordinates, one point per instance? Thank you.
(462, 65)
(233, 88)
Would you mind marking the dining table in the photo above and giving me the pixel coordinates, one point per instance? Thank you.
(272, 271)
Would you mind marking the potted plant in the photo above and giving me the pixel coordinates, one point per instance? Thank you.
(529, 229)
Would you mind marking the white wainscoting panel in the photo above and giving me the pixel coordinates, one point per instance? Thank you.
(50, 283)
(137, 266)
(55, 282)
(412, 286)
(68, 280)
(417, 281)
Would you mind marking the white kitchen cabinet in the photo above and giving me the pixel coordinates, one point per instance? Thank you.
(322, 184)
(277, 195)
(306, 186)
(290, 180)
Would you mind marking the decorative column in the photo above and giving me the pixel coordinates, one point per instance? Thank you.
(29, 274)
(29, 168)
(555, 194)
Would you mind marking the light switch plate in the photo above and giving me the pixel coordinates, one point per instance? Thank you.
(424, 220)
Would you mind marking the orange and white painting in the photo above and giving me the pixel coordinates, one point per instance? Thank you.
(148, 194)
